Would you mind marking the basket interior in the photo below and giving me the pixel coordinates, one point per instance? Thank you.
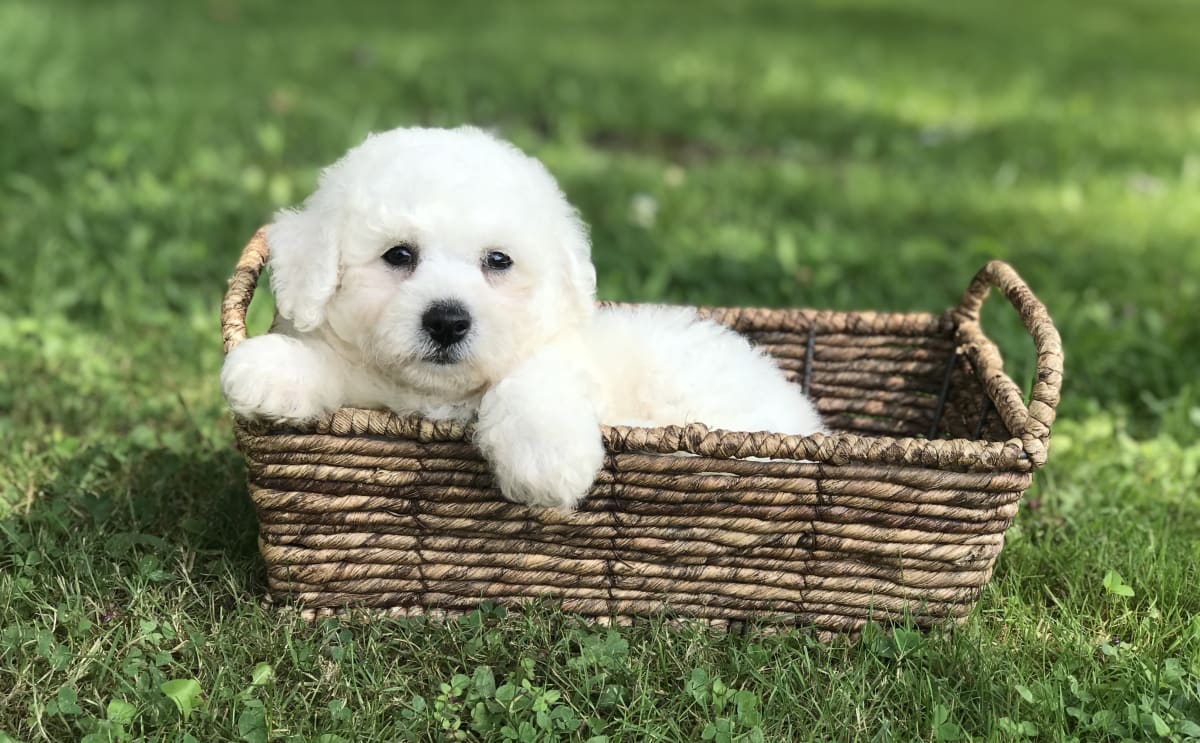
(873, 379)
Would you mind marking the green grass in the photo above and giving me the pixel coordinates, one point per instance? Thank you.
(851, 155)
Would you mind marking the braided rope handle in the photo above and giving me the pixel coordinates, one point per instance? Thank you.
(1032, 423)
(240, 290)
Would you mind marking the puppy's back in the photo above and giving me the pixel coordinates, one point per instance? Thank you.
(662, 365)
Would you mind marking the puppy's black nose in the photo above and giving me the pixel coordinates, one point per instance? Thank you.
(446, 323)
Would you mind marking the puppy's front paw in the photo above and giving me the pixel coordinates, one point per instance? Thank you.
(545, 450)
(278, 378)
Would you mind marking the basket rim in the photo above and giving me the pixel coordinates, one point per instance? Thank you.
(693, 438)
(1030, 425)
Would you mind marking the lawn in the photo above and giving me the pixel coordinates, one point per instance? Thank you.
(837, 154)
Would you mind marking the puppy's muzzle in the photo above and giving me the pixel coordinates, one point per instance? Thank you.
(446, 323)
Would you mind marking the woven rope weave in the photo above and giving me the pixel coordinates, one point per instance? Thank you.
(900, 513)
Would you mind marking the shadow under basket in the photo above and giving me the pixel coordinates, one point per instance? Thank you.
(900, 514)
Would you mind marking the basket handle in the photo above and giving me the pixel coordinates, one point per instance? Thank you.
(1032, 423)
(240, 290)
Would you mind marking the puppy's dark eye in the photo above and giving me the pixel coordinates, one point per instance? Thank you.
(401, 255)
(497, 261)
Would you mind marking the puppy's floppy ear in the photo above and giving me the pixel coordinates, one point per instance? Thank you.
(304, 265)
(581, 274)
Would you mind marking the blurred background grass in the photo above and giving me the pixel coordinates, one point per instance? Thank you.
(850, 154)
(841, 154)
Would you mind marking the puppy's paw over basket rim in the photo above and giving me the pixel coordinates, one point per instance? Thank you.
(900, 514)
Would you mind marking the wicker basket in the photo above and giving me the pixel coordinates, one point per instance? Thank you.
(901, 513)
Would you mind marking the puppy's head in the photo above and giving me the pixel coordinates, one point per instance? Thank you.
(445, 257)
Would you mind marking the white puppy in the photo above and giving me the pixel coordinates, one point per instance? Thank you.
(443, 273)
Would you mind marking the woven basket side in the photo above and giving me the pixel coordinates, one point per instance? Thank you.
(390, 523)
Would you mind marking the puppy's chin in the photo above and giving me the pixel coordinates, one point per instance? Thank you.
(442, 357)
(444, 374)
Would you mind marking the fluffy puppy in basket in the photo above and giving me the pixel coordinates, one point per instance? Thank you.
(443, 273)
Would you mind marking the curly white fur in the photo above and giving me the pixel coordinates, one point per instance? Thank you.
(540, 367)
